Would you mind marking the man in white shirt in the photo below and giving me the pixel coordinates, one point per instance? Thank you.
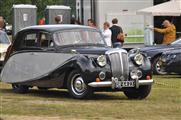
(107, 34)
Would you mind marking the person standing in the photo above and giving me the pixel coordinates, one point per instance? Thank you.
(2, 24)
(91, 23)
(107, 34)
(116, 31)
(41, 21)
(58, 20)
(169, 32)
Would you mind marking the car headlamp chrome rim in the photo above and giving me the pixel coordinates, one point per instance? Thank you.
(102, 75)
(101, 60)
(139, 59)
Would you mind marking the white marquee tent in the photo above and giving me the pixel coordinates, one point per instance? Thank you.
(171, 8)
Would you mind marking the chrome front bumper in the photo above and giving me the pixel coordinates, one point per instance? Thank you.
(114, 83)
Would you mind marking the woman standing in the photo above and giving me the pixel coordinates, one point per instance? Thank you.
(107, 33)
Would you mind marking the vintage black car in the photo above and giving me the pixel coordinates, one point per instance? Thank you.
(170, 61)
(154, 52)
(76, 58)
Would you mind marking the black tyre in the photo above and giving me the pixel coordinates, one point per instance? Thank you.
(77, 87)
(20, 88)
(140, 93)
(157, 67)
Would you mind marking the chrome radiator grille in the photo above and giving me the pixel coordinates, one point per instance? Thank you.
(119, 64)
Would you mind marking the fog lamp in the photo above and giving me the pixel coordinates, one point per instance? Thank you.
(136, 74)
(102, 75)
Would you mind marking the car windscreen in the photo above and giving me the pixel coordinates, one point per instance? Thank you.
(3, 38)
(177, 42)
(78, 37)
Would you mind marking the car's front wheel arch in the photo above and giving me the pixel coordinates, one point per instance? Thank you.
(67, 73)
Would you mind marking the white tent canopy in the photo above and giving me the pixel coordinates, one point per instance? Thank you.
(171, 8)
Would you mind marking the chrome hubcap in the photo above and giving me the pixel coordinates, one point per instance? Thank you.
(77, 84)
(159, 67)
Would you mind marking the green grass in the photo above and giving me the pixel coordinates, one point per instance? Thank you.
(164, 103)
(134, 39)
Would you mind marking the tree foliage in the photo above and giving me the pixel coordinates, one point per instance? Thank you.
(6, 6)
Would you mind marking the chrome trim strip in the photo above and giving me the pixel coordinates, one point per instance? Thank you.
(145, 82)
(101, 84)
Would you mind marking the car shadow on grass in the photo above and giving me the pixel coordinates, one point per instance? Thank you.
(63, 94)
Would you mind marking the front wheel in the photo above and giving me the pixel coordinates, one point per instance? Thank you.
(77, 87)
(20, 88)
(158, 67)
(140, 93)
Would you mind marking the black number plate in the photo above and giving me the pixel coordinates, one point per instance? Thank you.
(121, 84)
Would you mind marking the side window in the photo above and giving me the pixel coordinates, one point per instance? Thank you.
(45, 40)
(30, 40)
(40, 39)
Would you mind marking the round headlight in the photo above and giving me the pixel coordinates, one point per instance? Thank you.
(101, 60)
(136, 74)
(139, 59)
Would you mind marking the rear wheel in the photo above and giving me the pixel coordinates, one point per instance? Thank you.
(140, 93)
(20, 88)
(158, 67)
(77, 87)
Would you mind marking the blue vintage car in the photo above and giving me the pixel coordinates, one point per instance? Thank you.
(154, 53)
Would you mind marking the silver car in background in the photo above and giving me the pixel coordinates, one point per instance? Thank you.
(4, 44)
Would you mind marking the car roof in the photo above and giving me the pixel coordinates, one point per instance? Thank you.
(56, 27)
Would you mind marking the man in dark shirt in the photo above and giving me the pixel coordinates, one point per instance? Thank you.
(115, 29)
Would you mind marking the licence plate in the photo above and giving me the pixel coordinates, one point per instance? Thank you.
(121, 84)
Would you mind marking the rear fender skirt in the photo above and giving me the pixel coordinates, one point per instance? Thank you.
(29, 66)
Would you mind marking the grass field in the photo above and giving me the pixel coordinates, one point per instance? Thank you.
(164, 103)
